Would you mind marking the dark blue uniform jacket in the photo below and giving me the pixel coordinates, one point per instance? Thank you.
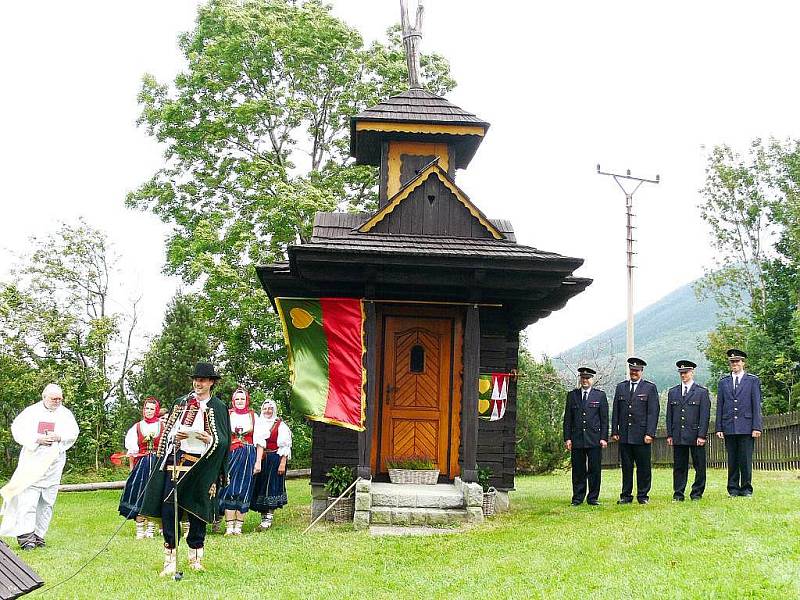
(635, 416)
(687, 418)
(739, 413)
(586, 423)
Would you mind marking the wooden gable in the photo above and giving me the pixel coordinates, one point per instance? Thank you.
(431, 204)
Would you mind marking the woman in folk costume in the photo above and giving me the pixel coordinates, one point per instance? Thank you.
(141, 442)
(234, 499)
(45, 430)
(273, 440)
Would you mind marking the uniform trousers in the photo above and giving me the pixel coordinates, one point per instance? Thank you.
(740, 464)
(585, 466)
(639, 455)
(680, 470)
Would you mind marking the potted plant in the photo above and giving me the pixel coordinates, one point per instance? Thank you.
(413, 469)
(489, 493)
(341, 477)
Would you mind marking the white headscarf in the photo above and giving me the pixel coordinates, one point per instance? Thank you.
(269, 421)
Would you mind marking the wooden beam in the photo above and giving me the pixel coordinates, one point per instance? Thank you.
(469, 395)
(365, 437)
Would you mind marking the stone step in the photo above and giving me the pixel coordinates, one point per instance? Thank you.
(430, 517)
(416, 496)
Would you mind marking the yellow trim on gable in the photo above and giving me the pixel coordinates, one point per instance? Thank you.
(397, 148)
(420, 128)
(403, 194)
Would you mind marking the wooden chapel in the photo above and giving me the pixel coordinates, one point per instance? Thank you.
(446, 289)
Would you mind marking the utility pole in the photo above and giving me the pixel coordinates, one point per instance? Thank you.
(629, 219)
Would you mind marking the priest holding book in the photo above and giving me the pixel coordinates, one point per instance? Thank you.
(45, 430)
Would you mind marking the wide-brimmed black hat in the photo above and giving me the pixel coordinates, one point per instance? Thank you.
(736, 354)
(637, 364)
(205, 369)
(586, 372)
(685, 365)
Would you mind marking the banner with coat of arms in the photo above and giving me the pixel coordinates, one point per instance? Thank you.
(493, 395)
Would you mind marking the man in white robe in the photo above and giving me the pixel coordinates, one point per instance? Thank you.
(45, 430)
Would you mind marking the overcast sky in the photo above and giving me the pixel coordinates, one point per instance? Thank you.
(631, 85)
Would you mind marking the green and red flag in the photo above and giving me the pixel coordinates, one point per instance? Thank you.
(325, 341)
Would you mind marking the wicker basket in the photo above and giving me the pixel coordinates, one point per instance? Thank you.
(425, 476)
(489, 502)
(344, 509)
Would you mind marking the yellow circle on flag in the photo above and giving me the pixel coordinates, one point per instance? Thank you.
(483, 405)
(484, 385)
(301, 318)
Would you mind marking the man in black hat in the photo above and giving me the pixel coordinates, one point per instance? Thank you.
(688, 413)
(585, 433)
(739, 422)
(193, 455)
(633, 424)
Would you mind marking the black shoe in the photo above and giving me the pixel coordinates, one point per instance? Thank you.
(678, 498)
(575, 503)
(625, 501)
(39, 541)
(696, 498)
(28, 546)
(593, 503)
(643, 500)
(746, 494)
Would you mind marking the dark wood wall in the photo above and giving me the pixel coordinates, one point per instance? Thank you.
(331, 445)
(497, 439)
(432, 209)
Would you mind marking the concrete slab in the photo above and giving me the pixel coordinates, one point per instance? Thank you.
(385, 530)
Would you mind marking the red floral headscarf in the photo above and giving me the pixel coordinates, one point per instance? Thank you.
(246, 409)
(151, 400)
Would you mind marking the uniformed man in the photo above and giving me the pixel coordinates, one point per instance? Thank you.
(585, 434)
(633, 424)
(739, 422)
(688, 413)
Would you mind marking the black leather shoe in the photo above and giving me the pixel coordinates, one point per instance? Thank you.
(592, 503)
(643, 500)
(574, 503)
(624, 501)
(696, 498)
(677, 498)
(746, 494)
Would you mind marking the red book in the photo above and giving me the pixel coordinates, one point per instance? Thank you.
(45, 427)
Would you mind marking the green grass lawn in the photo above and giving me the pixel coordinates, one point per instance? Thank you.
(543, 548)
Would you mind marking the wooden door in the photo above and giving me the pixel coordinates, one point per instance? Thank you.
(417, 391)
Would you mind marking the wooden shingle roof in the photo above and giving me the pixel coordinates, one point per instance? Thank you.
(419, 106)
(418, 115)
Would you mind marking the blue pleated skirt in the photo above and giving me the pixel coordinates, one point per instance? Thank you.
(131, 501)
(269, 488)
(237, 494)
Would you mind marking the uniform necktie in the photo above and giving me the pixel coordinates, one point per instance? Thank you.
(684, 391)
(735, 383)
(633, 387)
(584, 395)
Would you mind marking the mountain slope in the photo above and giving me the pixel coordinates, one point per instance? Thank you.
(666, 331)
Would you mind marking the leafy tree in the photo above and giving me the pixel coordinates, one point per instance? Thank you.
(255, 132)
(56, 324)
(540, 413)
(753, 208)
(164, 370)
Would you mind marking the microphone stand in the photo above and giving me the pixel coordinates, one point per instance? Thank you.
(175, 474)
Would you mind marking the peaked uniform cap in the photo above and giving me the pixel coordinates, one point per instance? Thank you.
(586, 372)
(636, 363)
(736, 354)
(685, 365)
